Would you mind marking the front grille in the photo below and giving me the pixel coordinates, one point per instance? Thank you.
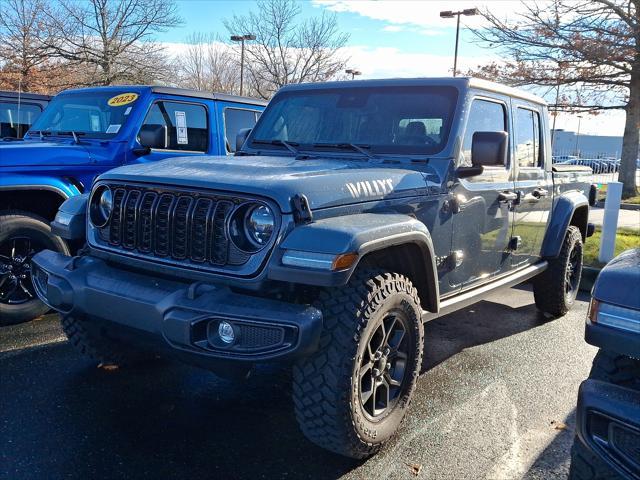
(174, 225)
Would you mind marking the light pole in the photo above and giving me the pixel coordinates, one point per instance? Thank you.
(242, 39)
(353, 72)
(578, 135)
(469, 12)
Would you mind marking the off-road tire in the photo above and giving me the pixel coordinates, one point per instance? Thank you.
(326, 388)
(21, 223)
(550, 287)
(93, 343)
(611, 368)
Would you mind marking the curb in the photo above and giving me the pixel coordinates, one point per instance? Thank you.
(623, 206)
(589, 275)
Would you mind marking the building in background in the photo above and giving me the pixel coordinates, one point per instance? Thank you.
(586, 146)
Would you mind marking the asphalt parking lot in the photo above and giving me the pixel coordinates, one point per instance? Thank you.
(496, 400)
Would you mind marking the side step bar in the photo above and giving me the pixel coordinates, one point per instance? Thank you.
(474, 295)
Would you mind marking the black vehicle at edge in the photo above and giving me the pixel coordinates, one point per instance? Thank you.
(352, 213)
(607, 443)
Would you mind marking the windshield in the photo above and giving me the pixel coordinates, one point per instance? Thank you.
(410, 120)
(91, 114)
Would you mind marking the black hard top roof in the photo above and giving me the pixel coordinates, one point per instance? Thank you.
(183, 92)
(23, 95)
(461, 83)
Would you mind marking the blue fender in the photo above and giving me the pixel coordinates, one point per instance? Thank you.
(359, 233)
(563, 211)
(9, 181)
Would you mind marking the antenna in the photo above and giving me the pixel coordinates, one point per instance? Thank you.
(18, 126)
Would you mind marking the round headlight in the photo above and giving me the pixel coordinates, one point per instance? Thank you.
(259, 224)
(101, 206)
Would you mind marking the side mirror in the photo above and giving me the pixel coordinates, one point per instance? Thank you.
(241, 137)
(487, 148)
(153, 136)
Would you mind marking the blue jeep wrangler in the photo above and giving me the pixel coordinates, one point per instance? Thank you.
(18, 111)
(607, 443)
(81, 134)
(352, 213)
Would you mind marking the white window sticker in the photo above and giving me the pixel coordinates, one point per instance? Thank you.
(181, 128)
(128, 110)
(113, 128)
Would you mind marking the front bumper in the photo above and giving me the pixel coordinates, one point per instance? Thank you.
(181, 316)
(608, 424)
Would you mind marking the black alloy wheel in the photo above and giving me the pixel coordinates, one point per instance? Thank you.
(383, 366)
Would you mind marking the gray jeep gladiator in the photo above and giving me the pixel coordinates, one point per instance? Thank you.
(351, 213)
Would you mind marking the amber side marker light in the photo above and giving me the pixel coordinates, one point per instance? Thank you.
(592, 314)
(344, 261)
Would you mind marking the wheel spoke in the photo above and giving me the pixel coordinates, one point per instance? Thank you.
(25, 289)
(364, 369)
(391, 382)
(366, 396)
(389, 329)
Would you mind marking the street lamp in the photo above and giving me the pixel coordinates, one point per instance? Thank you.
(353, 72)
(242, 39)
(469, 12)
(578, 135)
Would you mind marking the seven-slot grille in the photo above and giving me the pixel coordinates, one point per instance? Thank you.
(174, 225)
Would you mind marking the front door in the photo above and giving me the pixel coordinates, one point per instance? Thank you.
(533, 184)
(185, 129)
(482, 226)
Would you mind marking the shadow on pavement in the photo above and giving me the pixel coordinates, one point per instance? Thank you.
(62, 417)
(555, 460)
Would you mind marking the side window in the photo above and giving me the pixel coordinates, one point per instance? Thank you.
(484, 116)
(15, 121)
(235, 120)
(185, 124)
(528, 138)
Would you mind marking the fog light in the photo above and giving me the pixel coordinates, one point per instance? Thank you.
(226, 333)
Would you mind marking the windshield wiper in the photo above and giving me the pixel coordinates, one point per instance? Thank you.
(291, 146)
(41, 133)
(75, 135)
(352, 146)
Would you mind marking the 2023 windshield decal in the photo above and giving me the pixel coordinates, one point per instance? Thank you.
(371, 188)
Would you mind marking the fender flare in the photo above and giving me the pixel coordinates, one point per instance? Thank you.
(361, 233)
(59, 186)
(562, 213)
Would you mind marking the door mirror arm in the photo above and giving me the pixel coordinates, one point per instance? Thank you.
(140, 151)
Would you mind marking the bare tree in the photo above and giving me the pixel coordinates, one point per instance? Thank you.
(208, 64)
(285, 50)
(112, 39)
(24, 59)
(588, 48)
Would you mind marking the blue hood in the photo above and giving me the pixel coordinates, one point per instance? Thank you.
(325, 182)
(42, 153)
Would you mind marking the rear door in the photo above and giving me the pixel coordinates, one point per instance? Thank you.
(234, 119)
(533, 184)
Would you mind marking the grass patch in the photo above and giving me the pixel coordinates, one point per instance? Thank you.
(626, 238)
(602, 194)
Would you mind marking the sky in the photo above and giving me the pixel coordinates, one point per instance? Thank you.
(390, 39)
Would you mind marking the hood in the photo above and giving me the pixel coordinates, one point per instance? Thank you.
(38, 153)
(619, 281)
(326, 182)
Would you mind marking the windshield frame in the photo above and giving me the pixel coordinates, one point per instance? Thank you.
(451, 91)
(35, 129)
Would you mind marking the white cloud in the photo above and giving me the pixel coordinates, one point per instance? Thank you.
(423, 14)
(393, 28)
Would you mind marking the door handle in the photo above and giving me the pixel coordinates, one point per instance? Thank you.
(504, 197)
(540, 193)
